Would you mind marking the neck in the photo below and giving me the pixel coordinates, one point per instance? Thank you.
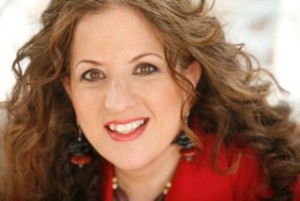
(148, 182)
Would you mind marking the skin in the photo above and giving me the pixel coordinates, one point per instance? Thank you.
(119, 74)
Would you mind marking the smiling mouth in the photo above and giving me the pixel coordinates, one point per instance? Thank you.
(125, 128)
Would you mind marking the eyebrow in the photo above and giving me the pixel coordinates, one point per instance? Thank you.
(131, 61)
(89, 62)
(144, 55)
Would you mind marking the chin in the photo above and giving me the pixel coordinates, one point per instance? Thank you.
(131, 163)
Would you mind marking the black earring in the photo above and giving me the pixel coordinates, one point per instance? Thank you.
(79, 149)
(188, 147)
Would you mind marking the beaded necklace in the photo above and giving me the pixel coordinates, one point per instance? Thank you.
(120, 195)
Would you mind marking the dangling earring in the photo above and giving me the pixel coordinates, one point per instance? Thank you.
(188, 147)
(79, 149)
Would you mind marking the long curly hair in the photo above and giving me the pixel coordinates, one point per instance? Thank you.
(231, 96)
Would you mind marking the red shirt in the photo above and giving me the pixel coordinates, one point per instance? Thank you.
(196, 180)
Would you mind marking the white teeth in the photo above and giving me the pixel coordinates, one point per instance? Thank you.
(126, 128)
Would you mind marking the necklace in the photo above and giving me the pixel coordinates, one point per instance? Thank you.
(120, 195)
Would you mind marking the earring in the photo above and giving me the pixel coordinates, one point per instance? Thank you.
(188, 147)
(79, 149)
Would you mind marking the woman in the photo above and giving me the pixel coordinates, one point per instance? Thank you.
(143, 100)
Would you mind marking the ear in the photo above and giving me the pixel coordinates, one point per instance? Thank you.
(193, 72)
(67, 84)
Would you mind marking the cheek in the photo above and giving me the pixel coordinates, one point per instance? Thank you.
(168, 113)
(85, 105)
(169, 96)
(166, 102)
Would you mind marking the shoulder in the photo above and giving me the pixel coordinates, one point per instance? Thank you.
(247, 176)
(296, 189)
(198, 180)
(241, 166)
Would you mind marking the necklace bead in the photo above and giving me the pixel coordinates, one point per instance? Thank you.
(120, 195)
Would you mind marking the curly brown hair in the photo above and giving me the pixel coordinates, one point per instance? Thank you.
(231, 95)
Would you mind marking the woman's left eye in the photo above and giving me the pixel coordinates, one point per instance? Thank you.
(145, 69)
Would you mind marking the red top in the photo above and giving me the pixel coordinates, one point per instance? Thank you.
(196, 180)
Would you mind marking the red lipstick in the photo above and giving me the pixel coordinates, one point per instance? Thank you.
(119, 137)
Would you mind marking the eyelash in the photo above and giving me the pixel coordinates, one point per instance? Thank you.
(93, 75)
(145, 69)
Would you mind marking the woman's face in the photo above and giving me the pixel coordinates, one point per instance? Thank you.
(125, 100)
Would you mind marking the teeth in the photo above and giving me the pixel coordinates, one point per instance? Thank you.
(126, 128)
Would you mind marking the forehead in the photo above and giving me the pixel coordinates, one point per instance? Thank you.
(118, 27)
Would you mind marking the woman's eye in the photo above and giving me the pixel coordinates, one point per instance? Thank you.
(93, 75)
(145, 69)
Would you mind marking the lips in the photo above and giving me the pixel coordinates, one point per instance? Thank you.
(123, 131)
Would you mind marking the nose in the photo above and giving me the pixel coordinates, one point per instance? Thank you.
(119, 95)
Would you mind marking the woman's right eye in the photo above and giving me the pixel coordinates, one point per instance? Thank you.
(92, 75)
